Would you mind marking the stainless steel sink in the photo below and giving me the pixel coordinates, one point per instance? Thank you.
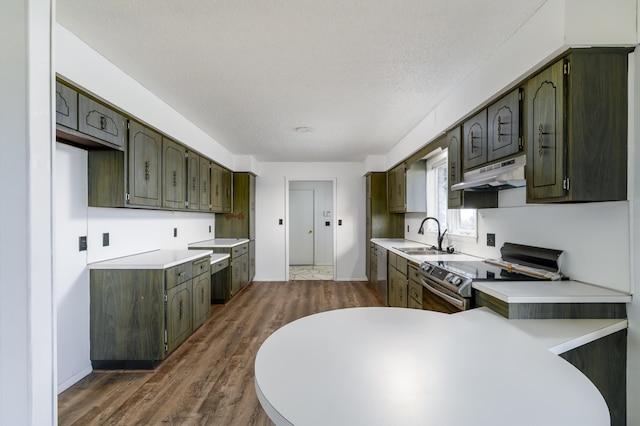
(419, 251)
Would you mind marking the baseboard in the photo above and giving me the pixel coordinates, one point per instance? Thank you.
(74, 379)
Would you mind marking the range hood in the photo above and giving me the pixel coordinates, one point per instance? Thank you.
(496, 176)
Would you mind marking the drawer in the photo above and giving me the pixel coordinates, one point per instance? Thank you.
(177, 274)
(239, 250)
(414, 274)
(391, 259)
(200, 266)
(219, 265)
(101, 121)
(415, 291)
(401, 264)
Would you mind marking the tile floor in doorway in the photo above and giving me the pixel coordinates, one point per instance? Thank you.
(310, 272)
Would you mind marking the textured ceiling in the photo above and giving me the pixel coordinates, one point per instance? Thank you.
(360, 73)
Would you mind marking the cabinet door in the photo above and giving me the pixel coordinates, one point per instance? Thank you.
(201, 299)
(454, 138)
(252, 260)
(179, 315)
(66, 106)
(145, 159)
(504, 136)
(193, 181)
(227, 190)
(100, 121)
(402, 290)
(216, 188)
(173, 174)
(236, 276)
(545, 131)
(205, 184)
(475, 140)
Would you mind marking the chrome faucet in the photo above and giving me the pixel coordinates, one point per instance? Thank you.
(440, 236)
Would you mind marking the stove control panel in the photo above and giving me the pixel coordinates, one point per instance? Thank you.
(454, 281)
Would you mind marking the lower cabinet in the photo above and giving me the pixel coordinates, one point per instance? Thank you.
(414, 298)
(397, 270)
(241, 272)
(139, 316)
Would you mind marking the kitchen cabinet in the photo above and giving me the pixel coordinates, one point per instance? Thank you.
(239, 271)
(241, 222)
(173, 174)
(201, 300)
(372, 266)
(576, 127)
(100, 121)
(139, 314)
(397, 271)
(205, 184)
(131, 179)
(220, 189)
(66, 106)
(463, 199)
(475, 140)
(503, 125)
(193, 181)
(414, 298)
(396, 189)
(227, 190)
(379, 223)
(81, 120)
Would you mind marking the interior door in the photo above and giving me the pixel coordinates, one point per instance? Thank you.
(301, 229)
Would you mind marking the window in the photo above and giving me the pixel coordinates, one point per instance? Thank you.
(456, 221)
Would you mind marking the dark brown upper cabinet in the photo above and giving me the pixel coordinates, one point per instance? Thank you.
(174, 165)
(193, 180)
(462, 199)
(576, 127)
(205, 184)
(503, 124)
(145, 163)
(475, 140)
(454, 142)
(66, 106)
(396, 187)
(101, 122)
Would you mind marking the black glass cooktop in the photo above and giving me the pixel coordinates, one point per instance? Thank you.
(482, 271)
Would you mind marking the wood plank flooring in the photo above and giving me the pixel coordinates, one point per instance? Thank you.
(209, 379)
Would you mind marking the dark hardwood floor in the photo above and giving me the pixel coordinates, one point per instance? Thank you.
(209, 379)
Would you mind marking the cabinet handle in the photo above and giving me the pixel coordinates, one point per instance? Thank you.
(175, 178)
(473, 138)
(146, 170)
(182, 274)
(217, 191)
(541, 146)
(202, 295)
(103, 122)
(205, 186)
(194, 183)
(181, 309)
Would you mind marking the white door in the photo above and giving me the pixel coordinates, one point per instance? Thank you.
(301, 227)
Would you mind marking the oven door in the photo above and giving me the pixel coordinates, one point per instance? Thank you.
(438, 299)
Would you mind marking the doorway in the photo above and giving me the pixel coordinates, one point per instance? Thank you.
(310, 230)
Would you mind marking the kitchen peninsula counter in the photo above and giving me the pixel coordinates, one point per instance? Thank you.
(380, 366)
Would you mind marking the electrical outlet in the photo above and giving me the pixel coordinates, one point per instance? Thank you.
(82, 243)
(105, 239)
(175, 232)
(491, 240)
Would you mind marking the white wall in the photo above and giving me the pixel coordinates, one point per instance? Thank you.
(271, 239)
(27, 305)
(323, 212)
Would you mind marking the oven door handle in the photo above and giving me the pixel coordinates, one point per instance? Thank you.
(445, 296)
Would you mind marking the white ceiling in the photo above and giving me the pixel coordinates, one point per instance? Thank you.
(360, 73)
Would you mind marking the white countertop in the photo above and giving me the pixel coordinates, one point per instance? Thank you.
(393, 244)
(550, 292)
(157, 259)
(219, 243)
(382, 366)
